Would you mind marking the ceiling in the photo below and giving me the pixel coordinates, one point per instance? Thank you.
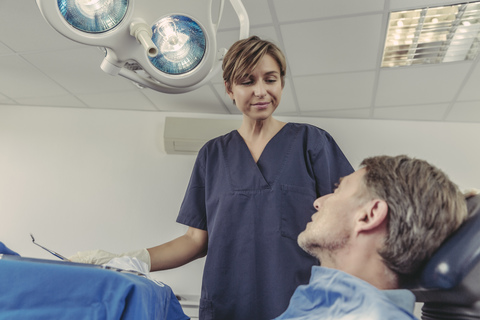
(333, 48)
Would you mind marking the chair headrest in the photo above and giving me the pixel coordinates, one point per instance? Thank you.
(458, 255)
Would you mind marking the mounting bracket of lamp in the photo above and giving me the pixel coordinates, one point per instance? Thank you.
(171, 44)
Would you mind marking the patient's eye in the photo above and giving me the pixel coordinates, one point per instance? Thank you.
(337, 185)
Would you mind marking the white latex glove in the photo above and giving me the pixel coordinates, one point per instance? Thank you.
(103, 257)
(133, 264)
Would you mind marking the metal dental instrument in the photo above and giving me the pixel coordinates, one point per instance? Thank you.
(51, 251)
(107, 267)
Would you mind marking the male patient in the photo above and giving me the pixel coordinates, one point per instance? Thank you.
(381, 224)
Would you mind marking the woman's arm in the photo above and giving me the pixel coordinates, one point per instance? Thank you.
(182, 250)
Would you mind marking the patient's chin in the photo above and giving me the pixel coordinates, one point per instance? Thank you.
(307, 245)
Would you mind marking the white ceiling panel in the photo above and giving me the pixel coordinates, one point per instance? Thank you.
(123, 100)
(56, 101)
(466, 112)
(200, 100)
(420, 84)
(19, 79)
(5, 100)
(258, 14)
(471, 88)
(287, 103)
(4, 50)
(298, 10)
(23, 28)
(339, 45)
(335, 91)
(333, 50)
(71, 68)
(397, 5)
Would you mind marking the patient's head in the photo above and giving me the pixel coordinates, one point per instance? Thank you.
(424, 208)
(395, 210)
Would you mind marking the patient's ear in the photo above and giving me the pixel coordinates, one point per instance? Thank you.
(372, 215)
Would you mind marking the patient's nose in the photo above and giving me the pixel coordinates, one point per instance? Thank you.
(318, 202)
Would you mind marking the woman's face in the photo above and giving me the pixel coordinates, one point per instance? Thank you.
(258, 95)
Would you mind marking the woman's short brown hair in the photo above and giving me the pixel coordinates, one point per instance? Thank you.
(244, 55)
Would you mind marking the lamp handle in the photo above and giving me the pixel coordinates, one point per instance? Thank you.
(143, 34)
(220, 12)
(242, 18)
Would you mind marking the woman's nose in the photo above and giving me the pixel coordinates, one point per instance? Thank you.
(260, 90)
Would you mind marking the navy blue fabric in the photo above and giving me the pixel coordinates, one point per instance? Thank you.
(43, 291)
(333, 294)
(253, 213)
(5, 250)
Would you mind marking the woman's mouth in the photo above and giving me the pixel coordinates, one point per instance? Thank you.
(261, 105)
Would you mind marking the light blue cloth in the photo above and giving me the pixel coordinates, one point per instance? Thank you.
(336, 295)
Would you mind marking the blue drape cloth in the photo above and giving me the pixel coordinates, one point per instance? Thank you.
(5, 250)
(39, 289)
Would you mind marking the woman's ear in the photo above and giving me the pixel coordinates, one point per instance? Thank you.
(228, 88)
(373, 214)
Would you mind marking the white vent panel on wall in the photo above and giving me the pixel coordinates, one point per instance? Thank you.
(188, 135)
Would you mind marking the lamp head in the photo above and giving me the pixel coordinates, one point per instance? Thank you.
(93, 16)
(181, 42)
(173, 43)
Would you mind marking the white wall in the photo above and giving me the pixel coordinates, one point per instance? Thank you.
(82, 179)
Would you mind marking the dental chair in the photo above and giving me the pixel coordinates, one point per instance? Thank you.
(449, 284)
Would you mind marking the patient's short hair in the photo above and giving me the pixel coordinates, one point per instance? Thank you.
(244, 55)
(424, 208)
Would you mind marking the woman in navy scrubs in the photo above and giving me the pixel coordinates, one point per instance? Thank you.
(251, 194)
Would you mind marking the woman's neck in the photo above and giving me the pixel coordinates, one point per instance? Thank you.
(253, 130)
(257, 134)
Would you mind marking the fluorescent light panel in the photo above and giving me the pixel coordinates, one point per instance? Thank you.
(433, 35)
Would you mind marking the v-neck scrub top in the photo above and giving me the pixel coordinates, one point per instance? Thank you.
(253, 213)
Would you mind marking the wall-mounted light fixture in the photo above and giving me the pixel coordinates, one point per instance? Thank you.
(168, 46)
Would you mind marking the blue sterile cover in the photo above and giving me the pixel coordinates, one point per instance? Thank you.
(47, 289)
(5, 250)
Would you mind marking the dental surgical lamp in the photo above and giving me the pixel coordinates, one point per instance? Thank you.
(167, 46)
